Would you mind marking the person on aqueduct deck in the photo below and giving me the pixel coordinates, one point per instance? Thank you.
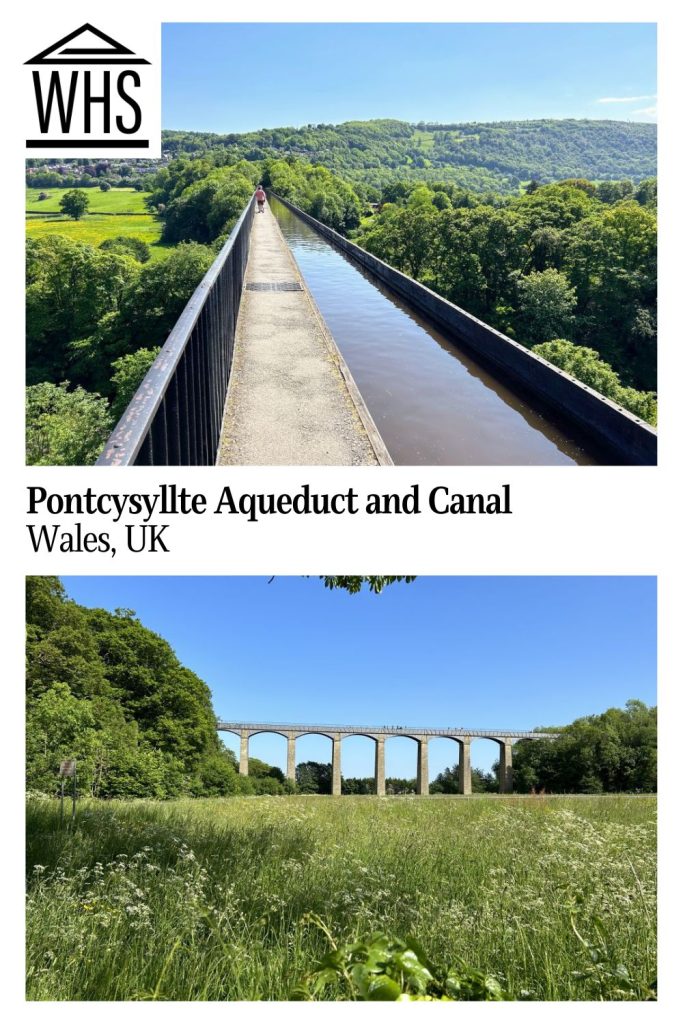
(260, 198)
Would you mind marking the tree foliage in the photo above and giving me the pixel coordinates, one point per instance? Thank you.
(106, 690)
(354, 584)
(74, 203)
(97, 317)
(209, 206)
(585, 364)
(614, 752)
(65, 427)
(70, 288)
(129, 372)
(314, 777)
(545, 305)
(558, 262)
(448, 781)
(126, 245)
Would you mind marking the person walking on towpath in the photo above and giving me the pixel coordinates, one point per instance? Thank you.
(260, 198)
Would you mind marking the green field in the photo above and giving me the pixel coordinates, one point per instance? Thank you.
(117, 212)
(238, 898)
(116, 200)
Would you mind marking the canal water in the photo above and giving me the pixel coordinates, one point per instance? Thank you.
(432, 403)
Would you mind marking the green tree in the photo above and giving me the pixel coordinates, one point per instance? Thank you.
(126, 245)
(140, 723)
(217, 775)
(129, 372)
(546, 305)
(70, 287)
(143, 318)
(209, 206)
(58, 726)
(354, 584)
(448, 781)
(314, 777)
(74, 203)
(613, 752)
(157, 297)
(611, 261)
(585, 364)
(63, 427)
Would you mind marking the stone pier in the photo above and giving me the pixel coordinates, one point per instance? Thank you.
(291, 757)
(380, 782)
(244, 752)
(336, 765)
(505, 771)
(465, 767)
(422, 766)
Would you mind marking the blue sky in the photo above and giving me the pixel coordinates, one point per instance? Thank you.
(479, 652)
(240, 77)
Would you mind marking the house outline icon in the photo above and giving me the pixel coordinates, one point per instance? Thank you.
(112, 53)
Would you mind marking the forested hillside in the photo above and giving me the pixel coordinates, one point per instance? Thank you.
(496, 156)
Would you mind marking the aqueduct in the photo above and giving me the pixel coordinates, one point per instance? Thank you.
(194, 408)
(421, 736)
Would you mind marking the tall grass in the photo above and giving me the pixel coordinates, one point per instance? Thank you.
(216, 899)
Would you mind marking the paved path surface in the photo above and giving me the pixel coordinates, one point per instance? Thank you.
(291, 399)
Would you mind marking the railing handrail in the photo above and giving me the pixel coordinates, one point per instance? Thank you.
(128, 436)
(384, 729)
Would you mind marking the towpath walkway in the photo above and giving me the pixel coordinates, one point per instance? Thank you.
(291, 398)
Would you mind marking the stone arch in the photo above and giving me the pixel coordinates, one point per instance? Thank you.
(259, 751)
(355, 746)
(447, 752)
(401, 759)
(503, 754)
(323, 754)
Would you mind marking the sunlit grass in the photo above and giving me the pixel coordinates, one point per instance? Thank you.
(94, 230)
(117, 212)
(116, 200)
(211, 899)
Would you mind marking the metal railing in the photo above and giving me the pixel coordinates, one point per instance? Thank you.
(388, 730)
(175, 416)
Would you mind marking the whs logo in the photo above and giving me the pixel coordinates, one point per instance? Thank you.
(91, 94)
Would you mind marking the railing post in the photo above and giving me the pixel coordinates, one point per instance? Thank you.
(244, 752)
(380, 784)
(336, 765)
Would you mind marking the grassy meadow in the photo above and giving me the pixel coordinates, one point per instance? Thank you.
(116, 212)
(238, 898)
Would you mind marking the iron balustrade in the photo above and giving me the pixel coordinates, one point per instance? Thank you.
(386, 730)
(175, 416)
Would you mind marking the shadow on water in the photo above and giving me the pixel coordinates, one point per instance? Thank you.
(432, 403)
